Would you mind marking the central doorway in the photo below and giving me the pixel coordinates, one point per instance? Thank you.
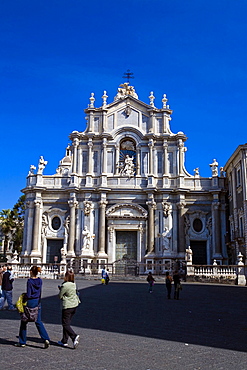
(199, 249)
(53, 253)
(126, 245)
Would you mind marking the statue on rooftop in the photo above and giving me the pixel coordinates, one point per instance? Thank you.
(41, 165)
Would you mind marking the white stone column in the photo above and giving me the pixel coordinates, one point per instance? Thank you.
(36, 228)
(151, 208)
(116, 159)
(151, 146)
(73, 204)
(181, 234)
(75, 148)
(138, 160)
(165, 158)
(102, 230)
(90, 156)
(104, 167)
(181, 156)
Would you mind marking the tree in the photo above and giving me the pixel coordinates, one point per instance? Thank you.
(12, 225)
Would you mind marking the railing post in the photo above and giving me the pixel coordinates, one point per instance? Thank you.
(240, 270)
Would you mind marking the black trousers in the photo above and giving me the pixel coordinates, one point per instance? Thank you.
(67, 315)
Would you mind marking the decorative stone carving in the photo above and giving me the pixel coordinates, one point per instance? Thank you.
(166, 235)
(188, 255)
(31, 170)
(196, 171)
(87, 207)
(41, 165)
(87, 238)
(166, 208)
(125, 90)
(214, 168)
(44, 228)
(129, 210)
(128, 167)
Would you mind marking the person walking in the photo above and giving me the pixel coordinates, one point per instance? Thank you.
(168, 284)
(177, 287)
(33, 295)
(103, 276)
(150, 280)
(70, 301)
(7, 287)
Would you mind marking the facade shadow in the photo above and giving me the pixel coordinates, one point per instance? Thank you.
(204, 315)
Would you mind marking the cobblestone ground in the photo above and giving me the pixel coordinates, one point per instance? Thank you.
(122, 326)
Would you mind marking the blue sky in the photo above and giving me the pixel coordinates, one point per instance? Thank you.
(54, 53)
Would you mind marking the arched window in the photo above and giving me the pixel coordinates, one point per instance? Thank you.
(127, 157)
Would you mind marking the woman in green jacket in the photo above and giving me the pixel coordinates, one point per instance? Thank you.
(70, 301)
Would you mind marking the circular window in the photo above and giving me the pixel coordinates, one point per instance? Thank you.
(56, 223)
(197, 225)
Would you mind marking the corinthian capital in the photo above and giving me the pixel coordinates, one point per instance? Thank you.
(72, 203)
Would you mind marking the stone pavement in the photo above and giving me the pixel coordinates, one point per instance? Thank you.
(122, 326)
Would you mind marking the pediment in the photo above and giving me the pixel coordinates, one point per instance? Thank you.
(126, 211)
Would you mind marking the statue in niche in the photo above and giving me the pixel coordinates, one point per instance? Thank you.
(166, 239)
(41, 165)
(128, 166)
(87, 236)
(214, 167)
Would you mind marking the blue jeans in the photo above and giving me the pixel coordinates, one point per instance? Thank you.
(6, 295)
(39, 324)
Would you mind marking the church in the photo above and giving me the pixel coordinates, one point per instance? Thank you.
(122, 194)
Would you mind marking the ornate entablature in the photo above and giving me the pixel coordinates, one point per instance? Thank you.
(126, 211)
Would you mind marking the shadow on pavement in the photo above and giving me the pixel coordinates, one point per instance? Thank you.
(206, 315)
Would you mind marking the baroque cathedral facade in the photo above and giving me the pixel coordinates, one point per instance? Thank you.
(122, 193)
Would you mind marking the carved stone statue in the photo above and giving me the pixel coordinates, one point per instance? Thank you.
(128, 167)
(188, 255)
(124, 89)
(31, 170)
(41, 165)
(166, 239)
(87, 236)
(44, 228)
(214, 168)
(196, 171)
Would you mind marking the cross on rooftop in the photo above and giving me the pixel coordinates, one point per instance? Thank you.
(128, 75)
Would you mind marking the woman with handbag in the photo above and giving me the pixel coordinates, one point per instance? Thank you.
(33, 296)
(70, 301)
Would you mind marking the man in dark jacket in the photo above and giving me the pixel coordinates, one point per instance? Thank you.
(7, 287)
